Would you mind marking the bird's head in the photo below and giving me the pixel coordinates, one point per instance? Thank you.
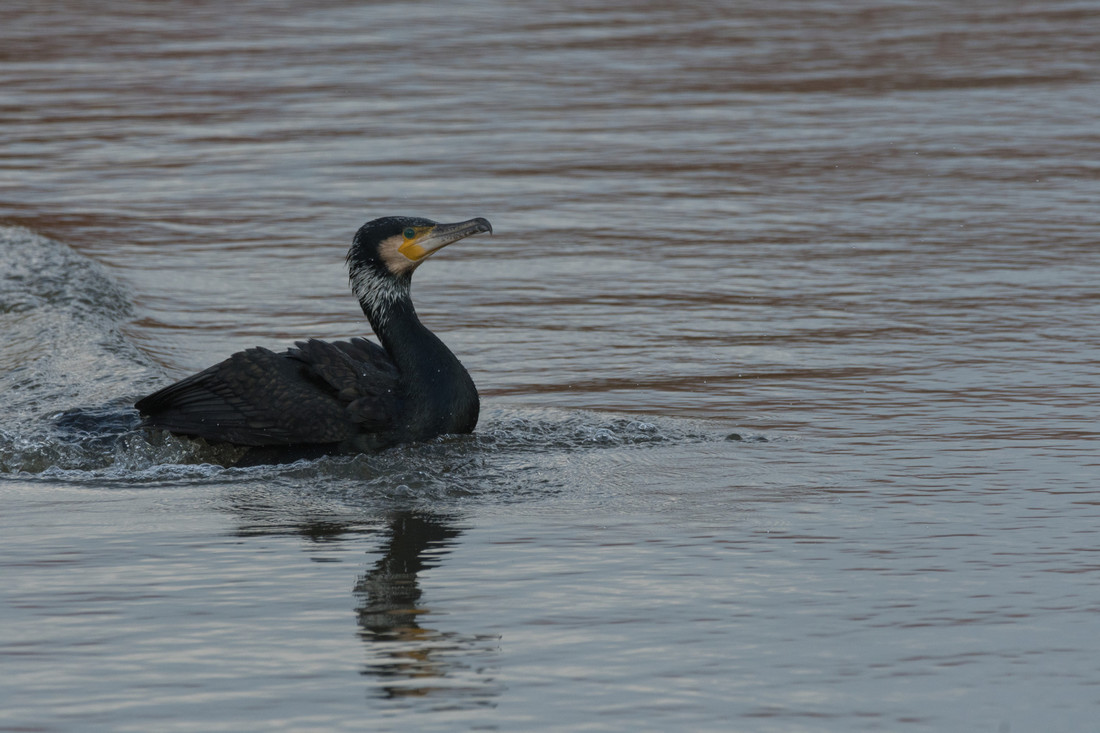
(396, 245)
(385, 252)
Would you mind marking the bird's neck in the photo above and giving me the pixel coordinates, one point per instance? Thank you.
(438, 388)
(416, 351)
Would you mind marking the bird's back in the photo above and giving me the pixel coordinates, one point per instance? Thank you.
(319, 393)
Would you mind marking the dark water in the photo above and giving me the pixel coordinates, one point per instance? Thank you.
(786, 339)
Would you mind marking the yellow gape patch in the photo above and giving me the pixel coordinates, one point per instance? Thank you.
(412, 247)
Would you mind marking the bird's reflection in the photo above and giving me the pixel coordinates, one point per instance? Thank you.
(389, 593)
(408, 655)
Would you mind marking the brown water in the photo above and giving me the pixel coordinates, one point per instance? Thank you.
(786, 340)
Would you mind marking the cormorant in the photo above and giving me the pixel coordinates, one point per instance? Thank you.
(345, 396)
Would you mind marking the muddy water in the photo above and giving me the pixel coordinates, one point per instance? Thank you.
(786, 340)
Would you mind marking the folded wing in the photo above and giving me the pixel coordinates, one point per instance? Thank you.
(316, 393)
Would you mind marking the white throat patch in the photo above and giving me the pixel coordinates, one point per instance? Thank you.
(377, 293)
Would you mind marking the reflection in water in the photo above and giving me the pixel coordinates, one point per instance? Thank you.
(408, 657)
(411, 659)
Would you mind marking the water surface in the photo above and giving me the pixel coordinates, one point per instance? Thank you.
(786, 343)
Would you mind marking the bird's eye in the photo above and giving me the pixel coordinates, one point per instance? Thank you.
(410, 233)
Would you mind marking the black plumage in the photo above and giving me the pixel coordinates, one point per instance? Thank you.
(342, 396)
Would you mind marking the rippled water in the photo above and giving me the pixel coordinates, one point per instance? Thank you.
(786, 343)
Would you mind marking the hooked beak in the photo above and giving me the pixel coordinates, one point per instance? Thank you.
(432, 239)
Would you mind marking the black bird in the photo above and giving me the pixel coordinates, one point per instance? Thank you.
(345, 396)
